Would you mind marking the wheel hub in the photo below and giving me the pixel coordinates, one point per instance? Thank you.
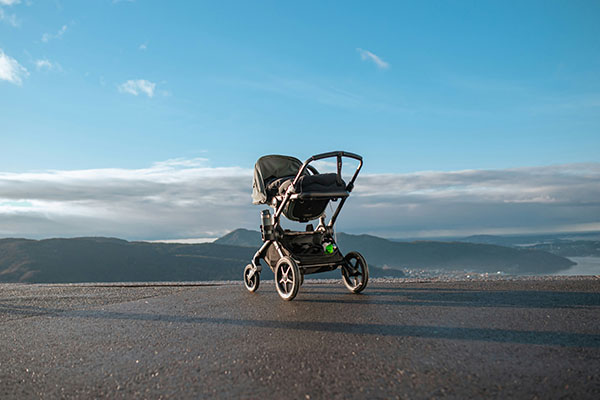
(285, 279)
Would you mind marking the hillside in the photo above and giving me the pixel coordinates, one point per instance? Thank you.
(436, 255)
(533, 239)
(571, 248)
(115, 260)
(454, 255)
(566, 245)
(241, 237)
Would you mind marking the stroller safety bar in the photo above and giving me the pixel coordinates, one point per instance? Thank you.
(319, 195)
(338, 155)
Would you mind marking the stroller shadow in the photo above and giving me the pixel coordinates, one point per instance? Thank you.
(436, 297)
(532, 337)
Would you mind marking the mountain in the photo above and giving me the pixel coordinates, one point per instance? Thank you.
(453, 255)
(585, 244)
(492, 239)
(571, 248)
(115, 260)
(440, 255)
(532, 239)
(241, 237)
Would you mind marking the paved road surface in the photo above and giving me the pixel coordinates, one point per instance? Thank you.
(499, 339)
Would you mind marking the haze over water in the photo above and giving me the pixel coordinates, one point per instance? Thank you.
(585, 266)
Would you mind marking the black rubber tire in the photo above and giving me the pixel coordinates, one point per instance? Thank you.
(251, 284)
(355, 272)
(287, 278)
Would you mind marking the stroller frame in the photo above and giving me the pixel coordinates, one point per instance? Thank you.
(283, 250)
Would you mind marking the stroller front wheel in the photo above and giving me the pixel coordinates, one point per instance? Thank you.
(287, 278)
(355, 272)
(251, 280)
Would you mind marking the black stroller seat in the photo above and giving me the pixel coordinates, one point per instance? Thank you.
(308, 184)
(275, 174)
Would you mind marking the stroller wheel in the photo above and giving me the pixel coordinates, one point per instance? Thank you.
(287, 278)
(355, 272)
(251, 281)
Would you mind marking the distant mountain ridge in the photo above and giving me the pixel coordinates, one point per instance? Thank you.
(491, 239)
(115, 260)
(571, 248)
(99, 259)
(241, 237)
(566, 245)
(478, 257)
(531, 239)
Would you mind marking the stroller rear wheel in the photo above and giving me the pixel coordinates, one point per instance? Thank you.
(251, 281)
(287, 278)
(355, 272)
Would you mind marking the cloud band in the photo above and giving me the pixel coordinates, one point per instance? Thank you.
(187, 198)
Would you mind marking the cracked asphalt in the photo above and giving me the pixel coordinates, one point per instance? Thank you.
(526, 338)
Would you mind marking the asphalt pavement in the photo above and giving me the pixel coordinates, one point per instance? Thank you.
(527, 338)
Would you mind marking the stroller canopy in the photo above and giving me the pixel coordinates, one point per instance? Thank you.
(269, 168)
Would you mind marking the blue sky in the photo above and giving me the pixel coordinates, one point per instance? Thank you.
(412, 86)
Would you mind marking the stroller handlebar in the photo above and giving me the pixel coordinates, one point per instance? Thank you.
(335, 154)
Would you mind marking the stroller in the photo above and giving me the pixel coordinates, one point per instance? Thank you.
(299, 192)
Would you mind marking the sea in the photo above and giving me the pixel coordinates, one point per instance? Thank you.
(585, 266)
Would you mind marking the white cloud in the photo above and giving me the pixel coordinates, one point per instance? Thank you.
(187, 198)
(366, 55)
(46, 37)
(45, 64)
(143, 46)
(138, 86)
(10, 19)
(171, 199)
(11, 70)
(536, 199)
(9, 2)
